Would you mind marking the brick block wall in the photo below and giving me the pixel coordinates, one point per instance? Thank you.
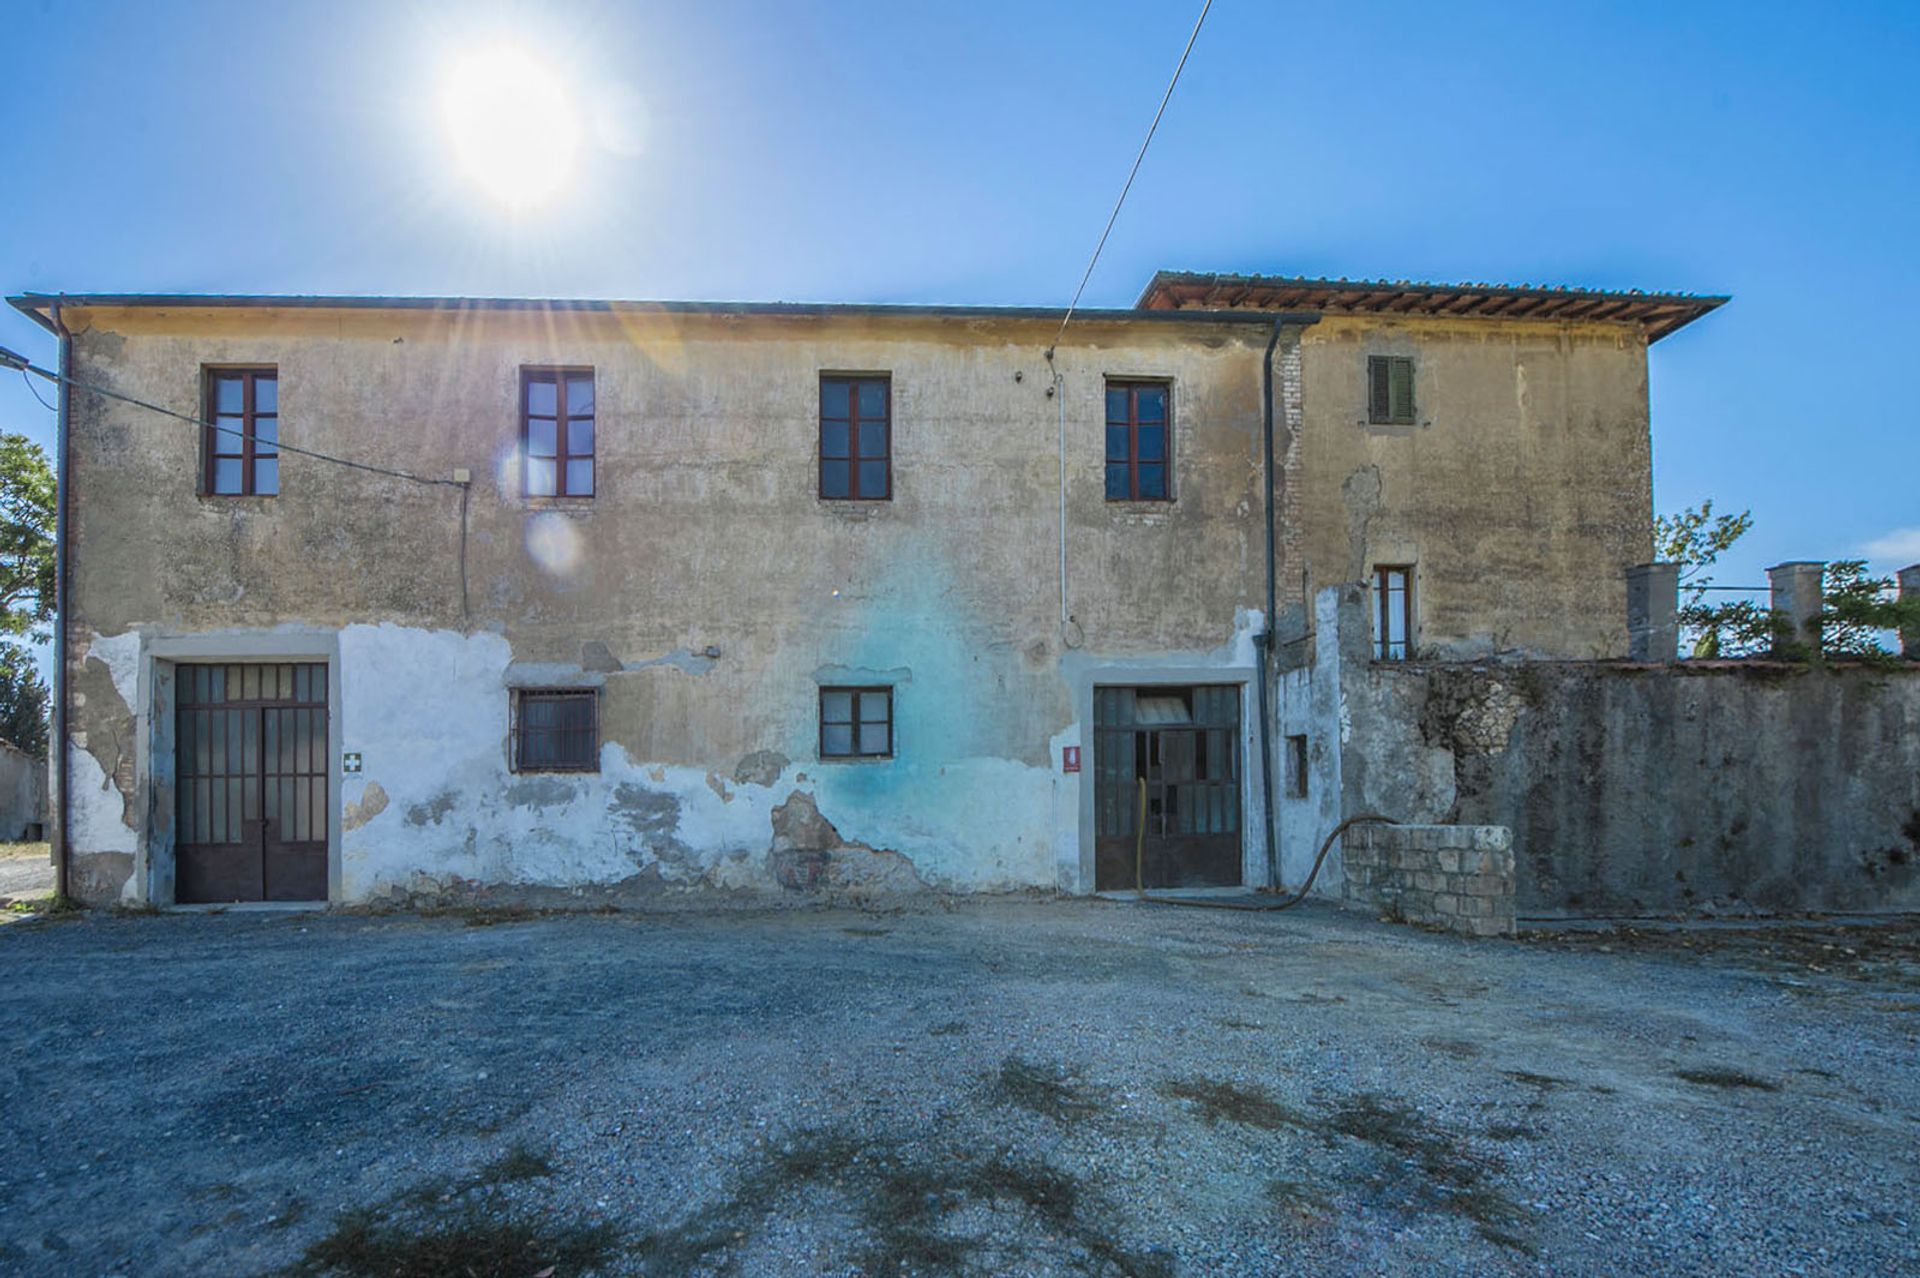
(1458, 877)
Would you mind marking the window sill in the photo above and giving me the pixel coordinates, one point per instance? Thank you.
(1141, 514)
(856, 509)
(572, 505)
(827, 760)
(243, 500)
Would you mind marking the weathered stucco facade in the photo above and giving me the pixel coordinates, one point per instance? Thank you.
(707, 592)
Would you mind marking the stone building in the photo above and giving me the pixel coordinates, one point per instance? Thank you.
(550, 600)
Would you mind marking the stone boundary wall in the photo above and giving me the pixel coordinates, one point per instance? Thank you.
(1458, 877)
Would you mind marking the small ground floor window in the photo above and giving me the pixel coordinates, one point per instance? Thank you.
(856, 723)
(556, 730)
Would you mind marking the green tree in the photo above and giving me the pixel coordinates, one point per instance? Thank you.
(1695, 539)
(1858, 611)
(26, 537)
(23, 700)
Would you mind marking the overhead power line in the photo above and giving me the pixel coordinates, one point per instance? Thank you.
(10, 359)
(35, 391)
(1131, 175)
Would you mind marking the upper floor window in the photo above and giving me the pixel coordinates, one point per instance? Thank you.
(1137, 449)
(242, 449)
(556, 730)
(556, 431)
(856, 723)
(1390, 390)
(856, 438)
(1393, 612)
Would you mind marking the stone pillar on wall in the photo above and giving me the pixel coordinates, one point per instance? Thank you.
(1796, 587)
(1653, 606)
(1910, 634)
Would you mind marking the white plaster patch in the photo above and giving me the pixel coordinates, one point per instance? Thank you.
(428, 712)
(121, 655)
(96, 813)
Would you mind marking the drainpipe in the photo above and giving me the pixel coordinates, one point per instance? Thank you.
(62, 525)
(1264, 640)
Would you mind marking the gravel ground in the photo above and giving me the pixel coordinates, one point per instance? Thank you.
(1044, 1087)
(25, 871)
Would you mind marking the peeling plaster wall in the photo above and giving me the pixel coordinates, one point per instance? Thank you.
(411, 695)
(1521, 493)
(705, 591)
(1722, 788)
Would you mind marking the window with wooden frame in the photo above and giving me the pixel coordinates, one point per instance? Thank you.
(1393, 612)
(241, 449)
(556, 730)
(557, 431)
(856, 723)
(1138, 443)
(1390, 390)
(856, 438)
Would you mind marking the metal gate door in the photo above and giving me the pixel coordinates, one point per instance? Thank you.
(1184, 743)
(251, 754)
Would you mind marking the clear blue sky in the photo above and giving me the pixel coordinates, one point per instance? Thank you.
(970, 153)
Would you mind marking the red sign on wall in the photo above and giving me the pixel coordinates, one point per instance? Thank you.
(1070, 758)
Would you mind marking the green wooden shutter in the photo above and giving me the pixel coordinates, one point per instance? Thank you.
(1379, 394)
(1402, 389)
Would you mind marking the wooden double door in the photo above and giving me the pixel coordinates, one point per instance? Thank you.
(251, 768)
(1172, 754)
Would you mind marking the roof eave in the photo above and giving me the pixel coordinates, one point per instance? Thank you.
(1658, 314)
(34, 305)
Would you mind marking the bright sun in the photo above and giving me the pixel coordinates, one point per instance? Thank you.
(513, 127)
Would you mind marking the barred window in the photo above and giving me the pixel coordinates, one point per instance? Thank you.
(556, 730)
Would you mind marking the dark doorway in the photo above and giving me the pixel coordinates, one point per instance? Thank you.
(1184, 744)
(251, 749)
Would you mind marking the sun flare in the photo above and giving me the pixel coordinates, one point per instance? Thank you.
(513, 125)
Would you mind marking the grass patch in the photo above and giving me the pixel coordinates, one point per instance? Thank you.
(448, 1226)
(47, 907)
(470, 1244)
(1729, 1079)
(907, 1201)
(1454, 1181)
(1305, 1203)
(1045, 1089)
(1218, 1100)
(291, 1213)
(518, 1163)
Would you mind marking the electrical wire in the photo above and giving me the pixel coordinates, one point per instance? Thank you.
(164, 411)
(1131, 175)
(35, 391)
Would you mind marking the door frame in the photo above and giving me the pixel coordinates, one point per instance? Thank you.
(1253, 869)
(153, 870)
